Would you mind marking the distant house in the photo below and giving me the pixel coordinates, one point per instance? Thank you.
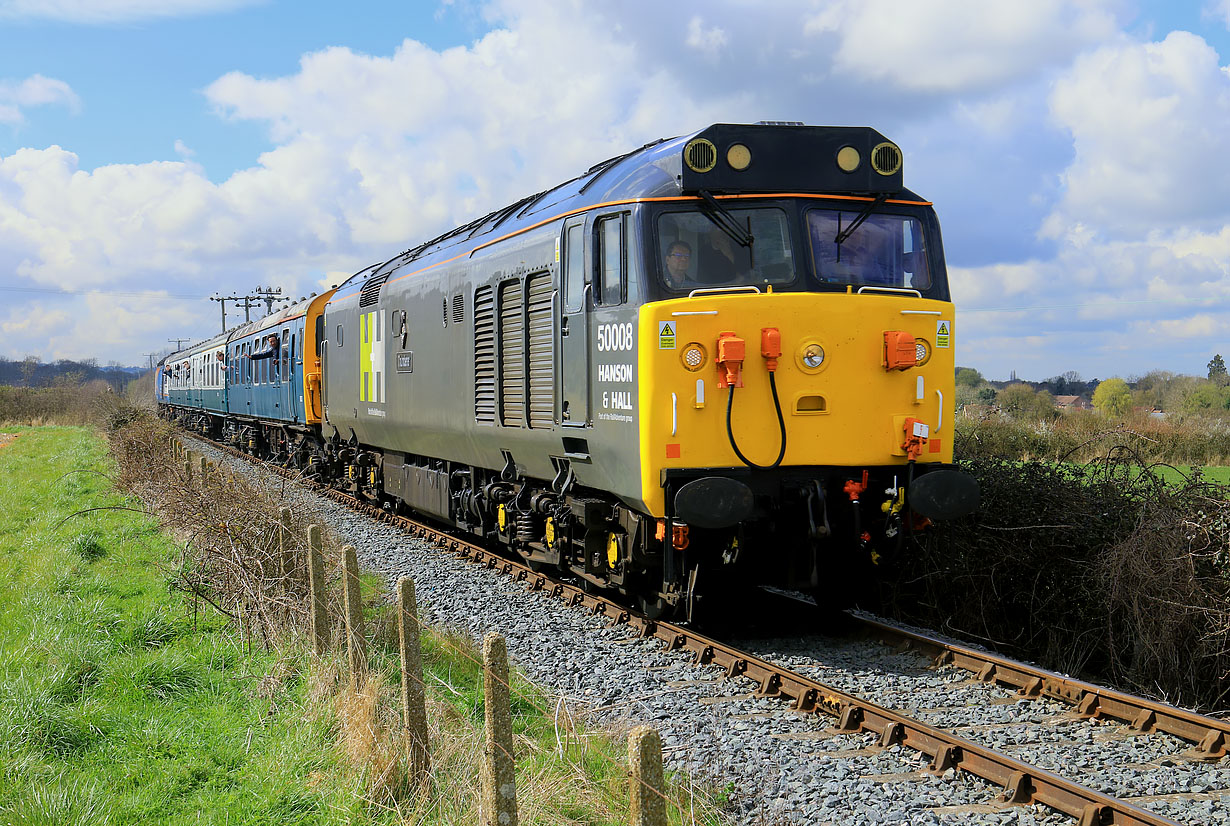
(1072, 403)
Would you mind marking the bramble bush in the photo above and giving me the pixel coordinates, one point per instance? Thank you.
(1102, 569)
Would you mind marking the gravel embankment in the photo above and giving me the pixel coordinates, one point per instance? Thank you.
(780, 767)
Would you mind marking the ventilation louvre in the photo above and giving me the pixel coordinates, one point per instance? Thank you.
(512, 355)
(484, 356)
(370, 293)
(541, 338)
(459, 308)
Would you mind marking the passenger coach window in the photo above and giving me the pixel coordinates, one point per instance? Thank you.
(884, 250)
(694, 253)
(611, 260)
(574, 268)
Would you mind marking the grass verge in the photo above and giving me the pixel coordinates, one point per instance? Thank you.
(119, 705)
(124, 704)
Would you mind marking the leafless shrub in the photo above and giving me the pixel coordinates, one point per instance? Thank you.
(60, 405)
(1100, 569)
(235, 554)
(1166, 591)
(1084, 436)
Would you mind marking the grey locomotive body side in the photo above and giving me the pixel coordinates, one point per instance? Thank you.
(423, 393)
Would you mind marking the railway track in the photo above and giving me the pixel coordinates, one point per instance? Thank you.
(941, 749)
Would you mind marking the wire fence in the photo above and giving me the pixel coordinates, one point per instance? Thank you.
(283, 581)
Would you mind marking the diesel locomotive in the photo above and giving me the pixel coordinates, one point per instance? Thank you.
(724, 358)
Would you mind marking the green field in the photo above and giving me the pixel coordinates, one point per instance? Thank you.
(118, 706)
(121, 706)
(1220, 475)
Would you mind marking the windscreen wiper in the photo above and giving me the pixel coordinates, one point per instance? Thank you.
(843, 234)
(724, 221)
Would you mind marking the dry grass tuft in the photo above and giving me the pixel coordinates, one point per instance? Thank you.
(369, 733)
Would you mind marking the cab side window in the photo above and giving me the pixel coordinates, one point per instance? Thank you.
(612, 260)
(574, 268)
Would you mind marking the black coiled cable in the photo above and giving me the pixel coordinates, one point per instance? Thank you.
(781, 424)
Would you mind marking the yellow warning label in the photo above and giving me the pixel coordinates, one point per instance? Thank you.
(943, 334)
(666, 335)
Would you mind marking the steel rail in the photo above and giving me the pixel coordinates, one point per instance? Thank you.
(1022, 783)
(1210, 735)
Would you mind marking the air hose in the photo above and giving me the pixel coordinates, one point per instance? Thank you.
(781, 424)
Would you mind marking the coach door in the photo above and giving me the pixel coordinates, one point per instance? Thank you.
(574, 329)
(286, 390)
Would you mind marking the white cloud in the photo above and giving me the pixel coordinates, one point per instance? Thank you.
(33, 321)
(1149, 124)
(411, 144)
(372, 153)
(114, 11)
(1220, 10)
(709, 40)
(1152, 300)
(1198, 326)
(956, 45)
(35, 90)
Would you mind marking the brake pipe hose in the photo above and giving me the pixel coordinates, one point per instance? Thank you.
(781, 424)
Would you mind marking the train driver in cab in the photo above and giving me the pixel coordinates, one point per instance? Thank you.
(678, 260)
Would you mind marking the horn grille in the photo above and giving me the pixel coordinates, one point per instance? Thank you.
(700, 155)
(886, 159)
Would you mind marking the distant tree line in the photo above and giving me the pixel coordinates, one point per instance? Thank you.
(34, 372)
(1157, 392)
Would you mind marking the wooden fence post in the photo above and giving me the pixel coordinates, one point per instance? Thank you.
(354, 615)
(645, 762)
(316, 579)
(413, 699)
(499, 779)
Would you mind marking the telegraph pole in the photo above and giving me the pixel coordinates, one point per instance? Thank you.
(247, 302)
(179, 343)
(268, 295)
(151, 359)
(222, 301)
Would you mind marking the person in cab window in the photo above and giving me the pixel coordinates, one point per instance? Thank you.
(268, 350)
(717, 259)
(678, 260)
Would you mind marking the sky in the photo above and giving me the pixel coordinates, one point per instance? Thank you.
(154, 153)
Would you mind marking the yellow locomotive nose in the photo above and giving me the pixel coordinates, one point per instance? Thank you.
(861, 365)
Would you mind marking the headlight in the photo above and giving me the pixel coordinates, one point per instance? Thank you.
(739, 157)
(922, 351)
(693, 356)
(810, 356)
